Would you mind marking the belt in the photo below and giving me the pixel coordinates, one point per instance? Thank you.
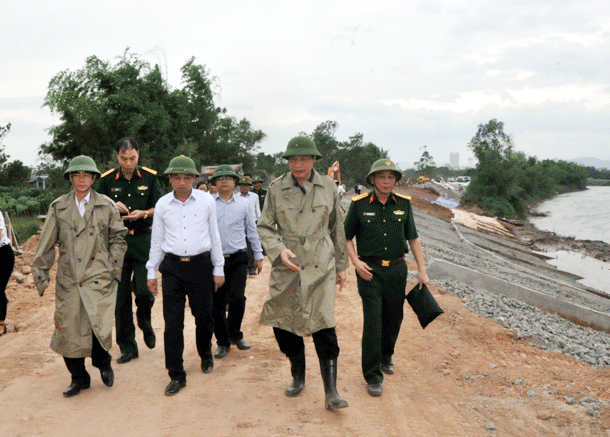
(140, 231)
(382, 262)
(186, 259)
(227, 255)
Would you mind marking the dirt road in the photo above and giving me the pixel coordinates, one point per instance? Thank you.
(456, 378)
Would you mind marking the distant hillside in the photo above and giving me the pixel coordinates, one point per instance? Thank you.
(592, 162)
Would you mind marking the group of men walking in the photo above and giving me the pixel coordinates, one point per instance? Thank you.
(113, 239)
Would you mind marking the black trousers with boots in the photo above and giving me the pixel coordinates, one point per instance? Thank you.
(100, 358)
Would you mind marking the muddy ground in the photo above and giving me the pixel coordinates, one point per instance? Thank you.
(464, 375)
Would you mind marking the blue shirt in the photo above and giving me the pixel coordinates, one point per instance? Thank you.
(236, 222)
(185, 229)
(253, 199)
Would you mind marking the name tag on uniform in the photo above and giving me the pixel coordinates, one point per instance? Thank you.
(116, 189)
(399, 212)
(369, 214)
(143, 187)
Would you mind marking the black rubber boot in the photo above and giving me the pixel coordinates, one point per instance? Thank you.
(297, 368)
(328, 369)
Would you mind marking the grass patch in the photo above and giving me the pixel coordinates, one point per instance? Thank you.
(24, 227)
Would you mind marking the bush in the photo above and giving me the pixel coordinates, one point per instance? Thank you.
(25, 227)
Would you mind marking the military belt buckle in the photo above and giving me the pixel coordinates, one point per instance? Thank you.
(385, 263)
(185, 259)
(131, 232)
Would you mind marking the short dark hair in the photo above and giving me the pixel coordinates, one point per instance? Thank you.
(200, 183)
(125, 144)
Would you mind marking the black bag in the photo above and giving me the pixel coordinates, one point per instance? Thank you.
(424, 305)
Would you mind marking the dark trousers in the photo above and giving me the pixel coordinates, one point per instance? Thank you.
(133, 279)
(100, 358)
(232, 292)
(324, 340)
(179, 280)
(383, 300)
(250, 254)
(7, 262)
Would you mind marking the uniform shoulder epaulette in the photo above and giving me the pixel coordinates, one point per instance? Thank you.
(150, 170)
(360, 197)
(403, 196)
(107, 173)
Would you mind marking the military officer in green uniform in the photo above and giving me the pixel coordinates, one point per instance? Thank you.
(257, 187)
(382, 222)
(135, 190)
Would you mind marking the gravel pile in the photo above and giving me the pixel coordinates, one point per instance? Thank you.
(493, 256)
(546, 331)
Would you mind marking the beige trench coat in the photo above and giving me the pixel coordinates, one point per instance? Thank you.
(311, 226)
(91, 251)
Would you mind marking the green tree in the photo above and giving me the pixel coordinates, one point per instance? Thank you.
(425, 162)
(4, 130)
(102, 102)
(505, 180)
(15, 174)
(495, 185)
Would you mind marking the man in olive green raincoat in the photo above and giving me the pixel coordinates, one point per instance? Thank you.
(89, 232)
(301, 228)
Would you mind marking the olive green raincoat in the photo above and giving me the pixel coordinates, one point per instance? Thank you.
(91, 251)
(311, 226)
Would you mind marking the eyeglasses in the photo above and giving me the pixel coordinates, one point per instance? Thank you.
(224, 178)
(300, 159)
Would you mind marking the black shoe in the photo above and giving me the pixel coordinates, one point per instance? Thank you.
(107, 375)
(127, 357)
(222, 351)
(374, 389)
(253, 272)
(207, 366)
(174, 387)
(150, 339)
(387, 368)
(241, 344)
(75, 387)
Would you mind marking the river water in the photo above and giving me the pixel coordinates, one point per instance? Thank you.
(584, 215)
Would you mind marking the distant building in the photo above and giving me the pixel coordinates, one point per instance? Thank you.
(454, 160)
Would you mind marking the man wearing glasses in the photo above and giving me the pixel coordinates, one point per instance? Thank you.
(237, 226)
(90, 234)
(185, 246)
(301, 228)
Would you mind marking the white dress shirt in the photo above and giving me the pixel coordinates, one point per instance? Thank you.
(83, 203)
(185, 229)
(253, 199)
(4, 239)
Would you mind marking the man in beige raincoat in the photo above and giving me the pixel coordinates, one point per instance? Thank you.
(301, 228)
(87, 228)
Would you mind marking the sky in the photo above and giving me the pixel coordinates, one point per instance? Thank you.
(405, 74)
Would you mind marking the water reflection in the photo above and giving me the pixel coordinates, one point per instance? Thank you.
(596, 273)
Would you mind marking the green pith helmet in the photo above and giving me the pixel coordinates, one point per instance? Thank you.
(382, 165)
(257, 179)
(224, 170)
(182, 165)
(245, 180)
(81, 163)
(301, 146)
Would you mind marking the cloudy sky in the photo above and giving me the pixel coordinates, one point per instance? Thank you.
(403, 73)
